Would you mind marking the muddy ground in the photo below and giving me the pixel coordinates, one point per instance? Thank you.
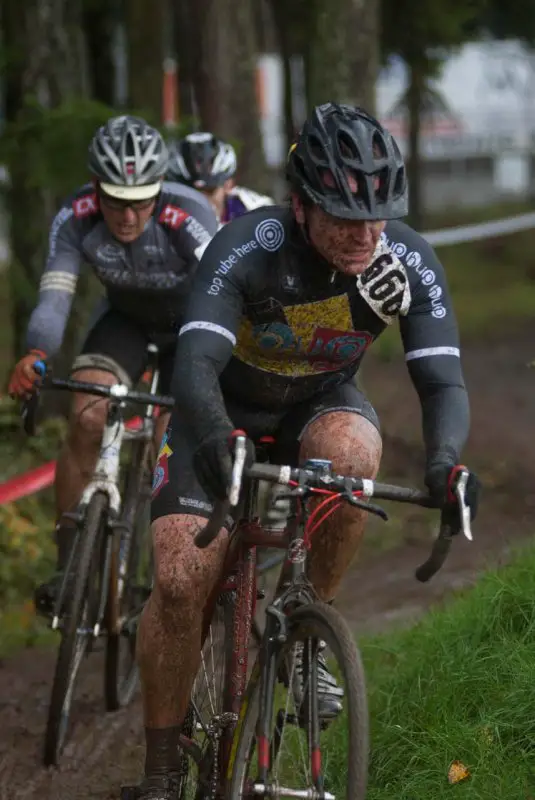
(380, 591)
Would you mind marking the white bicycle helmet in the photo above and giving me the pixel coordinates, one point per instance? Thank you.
(129, 157)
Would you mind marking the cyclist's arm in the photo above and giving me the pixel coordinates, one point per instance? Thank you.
(207, 337)
(57, 287)
(431, 343)
(192, 225)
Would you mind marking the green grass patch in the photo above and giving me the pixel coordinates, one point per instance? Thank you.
(458, 686)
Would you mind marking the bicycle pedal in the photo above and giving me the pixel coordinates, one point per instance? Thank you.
(260, 594)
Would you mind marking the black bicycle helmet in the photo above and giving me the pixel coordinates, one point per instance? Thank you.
(129, 157)
(339, 143)
(201, 160)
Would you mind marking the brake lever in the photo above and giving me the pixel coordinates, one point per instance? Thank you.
(240, 454)
(372, 508)
(464, 509)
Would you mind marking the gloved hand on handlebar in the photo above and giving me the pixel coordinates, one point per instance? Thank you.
(441, 479)
(213, 461)
(23, 378)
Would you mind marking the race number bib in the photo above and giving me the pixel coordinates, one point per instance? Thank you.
(384, 285)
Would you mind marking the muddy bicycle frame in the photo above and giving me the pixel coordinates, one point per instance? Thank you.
(105, 476)
(239, 576)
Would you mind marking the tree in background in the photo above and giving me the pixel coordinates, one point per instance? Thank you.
(337, 41)
(424, 36)
(145, 24)
(99, 19)
(44, 66)
(221, 53)
(507, 20)
(341, 53)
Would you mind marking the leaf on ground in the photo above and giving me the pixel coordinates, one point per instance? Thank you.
(457, 772)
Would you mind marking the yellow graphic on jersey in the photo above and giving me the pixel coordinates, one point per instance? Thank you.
(161, 471)
(319, 337)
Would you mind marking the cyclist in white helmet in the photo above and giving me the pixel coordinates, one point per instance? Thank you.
(209, 164)
(142, 238)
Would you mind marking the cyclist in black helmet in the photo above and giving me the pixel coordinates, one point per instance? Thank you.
(143, 239)
(208, 164)
(283, 308)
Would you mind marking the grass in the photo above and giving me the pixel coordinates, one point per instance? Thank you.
(458, 686)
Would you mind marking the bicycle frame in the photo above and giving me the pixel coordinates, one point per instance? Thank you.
(105, 479)
(239, 578)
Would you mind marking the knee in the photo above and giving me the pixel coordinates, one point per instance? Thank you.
(87, 422)
(184, 575)
(350, 441)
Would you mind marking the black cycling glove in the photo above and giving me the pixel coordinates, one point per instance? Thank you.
(440, 479)
(213, 461)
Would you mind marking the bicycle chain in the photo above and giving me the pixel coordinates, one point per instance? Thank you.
(215, 730)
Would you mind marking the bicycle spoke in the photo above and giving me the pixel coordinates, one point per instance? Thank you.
(318, 748)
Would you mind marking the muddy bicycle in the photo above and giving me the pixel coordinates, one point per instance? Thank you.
(108, 576)
(266, 732)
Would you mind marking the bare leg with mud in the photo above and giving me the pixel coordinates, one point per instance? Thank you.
(354, 446)
(169, 637)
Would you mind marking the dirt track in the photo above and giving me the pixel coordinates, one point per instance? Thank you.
(106, 751)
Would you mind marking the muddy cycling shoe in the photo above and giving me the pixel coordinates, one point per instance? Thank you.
(329, 693)
(161, 787)
(45, 595)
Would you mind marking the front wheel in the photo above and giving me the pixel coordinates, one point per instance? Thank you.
(79, 618)
(306, 750)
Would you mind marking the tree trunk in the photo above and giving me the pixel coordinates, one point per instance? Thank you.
(243, 102)
(415, 93)
(363, 45)
(288, 46)
(186, 56)
(99, 17)
(225, 87)
(328, 61)
(47, 63)
(145, 34)
(208, 35)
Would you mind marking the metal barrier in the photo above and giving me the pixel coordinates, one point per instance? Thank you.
(484, 230)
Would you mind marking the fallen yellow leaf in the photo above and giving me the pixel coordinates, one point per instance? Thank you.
(457, 772)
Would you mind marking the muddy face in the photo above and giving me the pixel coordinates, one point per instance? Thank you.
(346, 244)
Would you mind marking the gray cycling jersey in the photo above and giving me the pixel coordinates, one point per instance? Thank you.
(147, 280)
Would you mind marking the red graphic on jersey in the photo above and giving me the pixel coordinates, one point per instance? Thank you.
(85, 206)
(330, 349)
(173, 216)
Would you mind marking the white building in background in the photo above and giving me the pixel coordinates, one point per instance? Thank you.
(488, 91)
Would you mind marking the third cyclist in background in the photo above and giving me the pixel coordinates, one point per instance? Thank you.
(208, 164)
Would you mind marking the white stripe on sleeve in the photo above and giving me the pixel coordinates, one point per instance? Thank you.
(433, 351)
(208, 326)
